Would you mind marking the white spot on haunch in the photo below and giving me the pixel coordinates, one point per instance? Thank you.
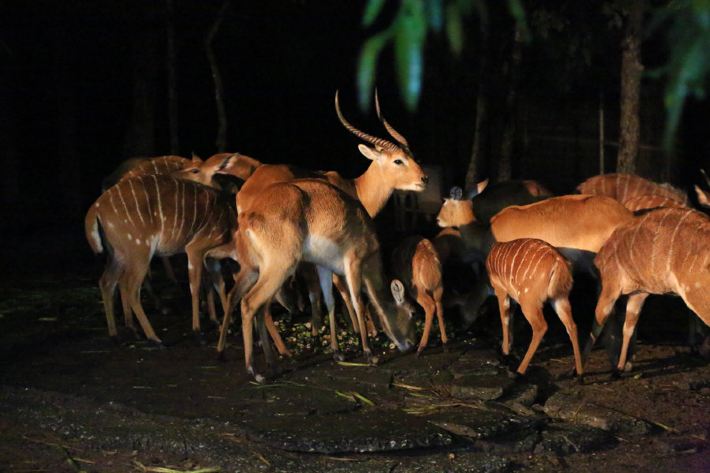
(138, 242)
(526, 290)
(129, 236)
(189, 266)
(96, 205)
(110, 225)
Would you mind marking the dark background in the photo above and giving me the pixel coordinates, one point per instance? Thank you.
(68, 82)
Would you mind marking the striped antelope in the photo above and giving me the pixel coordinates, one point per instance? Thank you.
(133, 167)
(155, 215)
(531, 272)
(652, 201)
(310, 220)
(144, 167)
(415, 263)
(624, 187)
(392, 168)
(663, 251)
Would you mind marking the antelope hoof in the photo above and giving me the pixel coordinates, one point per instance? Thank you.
(221, 356)
(615, 374)
(580, 379)
(520, 378)
(338, 355)
(419, 351)
(257, 377)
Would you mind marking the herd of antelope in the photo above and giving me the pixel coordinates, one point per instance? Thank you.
(636, 236)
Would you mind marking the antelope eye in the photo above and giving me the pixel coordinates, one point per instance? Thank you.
(194, 171)
(398, 162)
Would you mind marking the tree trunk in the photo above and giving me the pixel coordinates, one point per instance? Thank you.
(171, 66)
(505, 164)
(10, 194)
(474, 164)
(221, 142)
(140, 135)
(631, 68)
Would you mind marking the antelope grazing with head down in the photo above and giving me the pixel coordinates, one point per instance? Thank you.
(663, 251)
(416, 263)
(624, 187)
(487, 200)
(154, 215)
(531, 272)
(310, 220)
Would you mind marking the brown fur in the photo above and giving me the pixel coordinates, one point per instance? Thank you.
(232, 164)
(416, 263)
(531, 272)
(626, 186)
(663, 251)
(309, 220)
(154, 215)
(651, 201)
(572, 221)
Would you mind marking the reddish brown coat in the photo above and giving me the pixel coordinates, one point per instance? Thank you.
(663, 251)
(531, 272)
(154, 215)
(416, 263)
(626, 186)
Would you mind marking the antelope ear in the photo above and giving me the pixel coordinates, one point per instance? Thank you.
(369, 153)
(481, 186)
(397, 289)
(196, 160)
(703, 197)
(228, 162)
(456, 193)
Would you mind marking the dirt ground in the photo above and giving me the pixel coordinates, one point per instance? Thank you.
(71, 400)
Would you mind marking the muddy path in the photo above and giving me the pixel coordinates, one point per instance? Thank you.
(71, 400)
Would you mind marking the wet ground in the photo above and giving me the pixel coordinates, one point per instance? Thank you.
(71, 400)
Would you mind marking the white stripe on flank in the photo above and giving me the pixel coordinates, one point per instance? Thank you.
(671, 246)
(194, 209)
(182, 219)
(544, 253)
(521, 244)
(110, 198)
(135, 199)
(155, 168)
(529, 265)
(160, 209)
(654, 246)
(632, 244)
(528, 247)
(175, 209)
(147, 200)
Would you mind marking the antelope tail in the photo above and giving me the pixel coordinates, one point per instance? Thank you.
(560, 280)
(91, 227)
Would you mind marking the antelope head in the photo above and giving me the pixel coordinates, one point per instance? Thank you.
(455, 211)
(400, 329)
(395, 160)
(231, 164)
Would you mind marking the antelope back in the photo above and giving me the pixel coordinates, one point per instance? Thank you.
(264, 176)
(496, 197)
(665, 250)
(581, 222)
(626, 186)
(651, 201)
(163, 214)
(159, 165)
(415, 262)
(529, 267)
(231, 164)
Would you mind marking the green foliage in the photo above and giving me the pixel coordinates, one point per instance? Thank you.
(408, 32)
(689, 65)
